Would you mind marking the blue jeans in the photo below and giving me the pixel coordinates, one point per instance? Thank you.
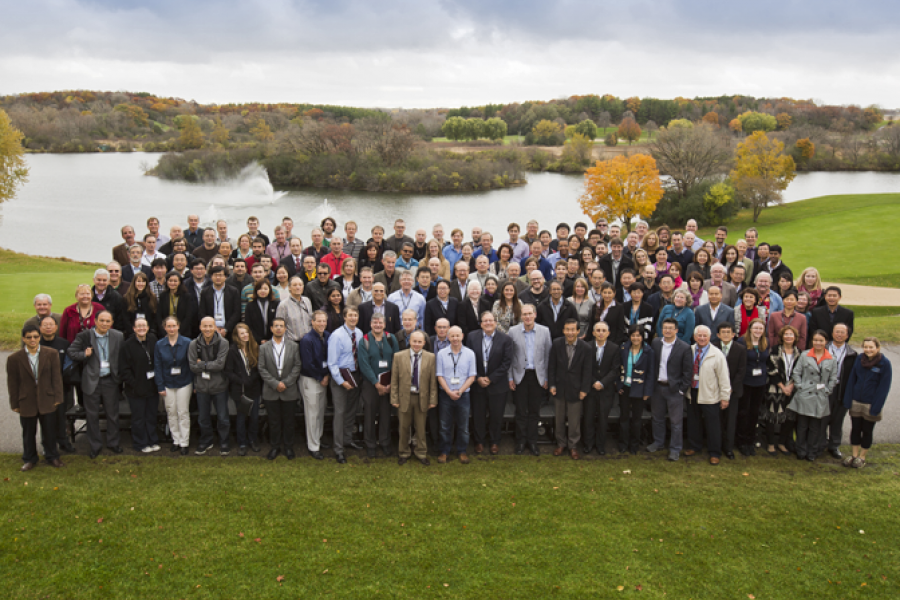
(454, 412)
(204, 405)
(243, 439)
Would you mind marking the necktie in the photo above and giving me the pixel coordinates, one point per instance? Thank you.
(697, 356)
(297, 263)
(353, 345)
(415, 374)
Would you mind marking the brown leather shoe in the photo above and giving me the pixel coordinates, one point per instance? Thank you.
(27, 467)
(689, 452)
(442, 459)
(57, 463)
(713, 460)
(574, 453)
(559, 451)
(479, 448)
(495, 449)
(464, 458)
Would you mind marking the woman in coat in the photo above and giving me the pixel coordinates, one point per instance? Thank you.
(782, 360)
(176, 302)
(610, 312)
(242, 369)
(140, 302)
(681, 311)
(638, 374)
(867, 390)
(814, 378)
(261, 311)
(138, 374)
(755, 379)
(639, 312)
(747, 310)
(175, 382)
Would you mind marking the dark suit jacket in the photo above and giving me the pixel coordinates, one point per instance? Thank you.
(392, 322)
(615, 318)
(545, 317)
(288, 262)
(90, 375)
(606, 265)
(821, 319)
(680, 366)
(434, 310)
(466, 317)
(607, 370)
(186, 313)
(455, 293)
(128, 272)
(737, 366)
(500, 359)
(115, 304)
(570, 380)
(403, 341)
(231, 299)
(120, 253)
(254, 319)
(703, 316)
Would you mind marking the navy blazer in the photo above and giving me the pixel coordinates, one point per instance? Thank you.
(757, 360)
(703, 316)
(570, 379)
(498, 363)
(608, 369)
(680, 366)
(643, 373)
(434, 310)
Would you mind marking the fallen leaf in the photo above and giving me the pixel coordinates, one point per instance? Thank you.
(639, 587)
(746, 474)
(100, 520)
(626, 472)
(325, 571)
(241, 534)
(446, 585)
(279, 578)
(751, 596)
(621, 588)
(861, 531)
(258, 540)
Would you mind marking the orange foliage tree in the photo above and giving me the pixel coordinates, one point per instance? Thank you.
(807, 148)
(712, 118)
(629, 129)
(784, 121)
(622, 188)
(736, 126)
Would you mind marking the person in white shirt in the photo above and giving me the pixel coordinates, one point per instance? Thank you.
(150, 252)
(405, 299)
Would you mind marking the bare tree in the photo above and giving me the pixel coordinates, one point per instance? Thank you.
(889, 139)
(690, 155)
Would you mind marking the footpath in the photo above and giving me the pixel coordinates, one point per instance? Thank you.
(863, 295)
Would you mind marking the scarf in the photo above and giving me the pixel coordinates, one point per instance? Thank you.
(868, 363)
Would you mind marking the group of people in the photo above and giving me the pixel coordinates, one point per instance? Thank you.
(444, 332)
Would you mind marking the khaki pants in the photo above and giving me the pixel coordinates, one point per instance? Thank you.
(572, 412)
(413, 416)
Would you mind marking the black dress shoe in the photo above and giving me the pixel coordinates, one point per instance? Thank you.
(520, 448)
(534, 449)
(425, 461)
(836, 453)
(184, 451)
(402, 460)
(601, 451)
(115, 449)
(324, 446)
(67, 447)
(317, 454)
(254, 446)
(340, 458)
(94, 454)
(79, 409)
(751, 450)
(729, 455)
(388, 451)
(175, 448)
(354, 445)
(273, 453)
(242, 451)
(289, 453)
(370, 452)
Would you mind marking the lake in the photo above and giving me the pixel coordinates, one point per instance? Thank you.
(74, 204)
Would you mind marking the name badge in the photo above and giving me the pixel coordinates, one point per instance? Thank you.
(220, 316)
(176, 370)
(454, 381)
(757, 372)
(485, 364)
(104, 364)
(279, 374)
(876, 369)
(324, 364)
(139, 316)
(382, 364)
(414, 390)
(628, 381)
(204, 375)
(696, 377)
(150, 374)
(820, 386)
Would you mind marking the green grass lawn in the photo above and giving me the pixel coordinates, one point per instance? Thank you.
(506, 139)
(508, 527)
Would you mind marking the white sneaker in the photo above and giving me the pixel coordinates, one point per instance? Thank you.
(147, 449)
(155, 447)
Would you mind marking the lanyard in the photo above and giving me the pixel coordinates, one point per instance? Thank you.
(408, 300)
(455, 360)
(789, 364)
(279, 356)
(217, 298)
(486, 345)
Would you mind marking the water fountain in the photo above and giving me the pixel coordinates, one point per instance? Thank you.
(251, 188)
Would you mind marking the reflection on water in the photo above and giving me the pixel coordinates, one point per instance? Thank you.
(74, 205)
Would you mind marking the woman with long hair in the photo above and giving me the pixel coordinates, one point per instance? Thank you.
(334, 306)
(811, 283)
(867, 391)
(140, 302)
(174, 301)
(583, 304)
(641, 260)
(261, 311)
(507, 309)
(662, 262)
(282, 287)
(175, 382)
(610, 312)
(651, 244)
(701, 264)
(370, 256)
(782, 360)
(242, 368)
(435, 250)
(755, 379)
(504, 257)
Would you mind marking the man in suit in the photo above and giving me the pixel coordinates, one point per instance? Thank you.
(844, 358)
(493, 356)
(441, 307)
(459, 287)
(715, 313)
(717, 279)
(34, 383)
(120, 252)
(413, 394)
(736, 357)
(390, 276)
(98, 348)
(379, 304)
(364, 292)
(343, 363)
(294, 261)
(570, 375)
(664, 296)
(110, 299)
(279, 367)
(135, 265)
(673, 379)
(528, 376)
(826, 317)
(221, 302)
(554, 312)
(607, 361)
(50, 340)
(613, 263)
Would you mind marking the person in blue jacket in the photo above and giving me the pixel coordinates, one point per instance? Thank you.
(175, 382)
(867, 390)
(638, 374)
(681, 311)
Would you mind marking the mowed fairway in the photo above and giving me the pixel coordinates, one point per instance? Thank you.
(506, 527)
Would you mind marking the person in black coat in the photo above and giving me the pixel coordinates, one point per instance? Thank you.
(824, 318)
(391, 311)
(221, 302)
(669, 388)
(139, 302)
(553, 312)
(242, 369)
(607, 264)
(136, 369)
(614, 317)
(261, 311)
(736, 358)
(467, 314)
(112, 301)
(185, 308)
(606, 364)
(636, 383)
(491, 381)
(570, 380)
(434, 308)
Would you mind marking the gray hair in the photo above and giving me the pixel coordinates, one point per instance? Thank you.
(101, 273)
(687, 296)
(389, 254)
(717, 267)
(43, 297)
(702, 329)
(410, 311)
(406, 275)
(763, 274)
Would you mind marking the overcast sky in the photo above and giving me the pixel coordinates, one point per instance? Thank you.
(435, 53)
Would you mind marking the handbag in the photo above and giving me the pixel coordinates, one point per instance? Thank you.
(246, 404)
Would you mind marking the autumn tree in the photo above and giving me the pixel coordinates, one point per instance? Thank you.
(712, 118)
(757, 121)
(629, 129)
(611, 139)
(191, 136)
(261, 131)
(13, 171)
(783, 120)
(806, 148)
(633, 104)
(587, 128)
(736, 126)
(578, 149)
(547, 133)
(622, 188)
(761, 172)
(220, 133)
(690, 155)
